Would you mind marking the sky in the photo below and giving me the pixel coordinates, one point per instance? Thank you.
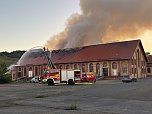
(25, 24)
(29, 23)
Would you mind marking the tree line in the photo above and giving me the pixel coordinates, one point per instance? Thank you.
(14, 54)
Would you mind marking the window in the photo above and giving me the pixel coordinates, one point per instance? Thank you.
(36, 71)
(132, 70)
(24, 71)
(30, 69)
(104, 64)
(98, 69)
(91, 68)
(132, 61)
(67, 66)
(19, 69)
(38, 68)
(148, 70)
(124, 70)
(114, 65)
(144, 70)
(83, 67)
(42, 70)
(135, 71)
(138, 57)
(61, 66)
(135, 61)
(75, 66)
(19, 74)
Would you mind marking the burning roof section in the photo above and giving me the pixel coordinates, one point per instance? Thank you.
(110, 51)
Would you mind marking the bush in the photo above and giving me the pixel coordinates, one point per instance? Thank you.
(5, 77)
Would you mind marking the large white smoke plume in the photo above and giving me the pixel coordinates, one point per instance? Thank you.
(103, 21)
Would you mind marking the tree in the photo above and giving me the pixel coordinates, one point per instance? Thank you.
(5, 77)
(15, 54)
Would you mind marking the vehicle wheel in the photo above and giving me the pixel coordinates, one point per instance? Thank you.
(50, 82)
(71, 82)
(134, 79)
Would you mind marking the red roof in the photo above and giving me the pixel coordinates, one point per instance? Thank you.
(100, 52)
(110, 51)
(33, 61)
(32, 57)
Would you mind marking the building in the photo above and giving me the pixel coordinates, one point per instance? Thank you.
(149, 65)
(111, 60)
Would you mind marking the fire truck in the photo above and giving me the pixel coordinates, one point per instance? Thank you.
(54, 76)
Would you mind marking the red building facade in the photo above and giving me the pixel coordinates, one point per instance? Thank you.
(111, 60)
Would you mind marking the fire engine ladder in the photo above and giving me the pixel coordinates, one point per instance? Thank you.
(49, 62)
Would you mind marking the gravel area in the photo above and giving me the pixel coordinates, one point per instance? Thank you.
(103, 97)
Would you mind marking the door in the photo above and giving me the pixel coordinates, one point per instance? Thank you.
(64, 75)
(98, 70)
(105, 71)
(114, 72)
(30, 73)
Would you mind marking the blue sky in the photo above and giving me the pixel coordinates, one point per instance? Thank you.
(28, 23)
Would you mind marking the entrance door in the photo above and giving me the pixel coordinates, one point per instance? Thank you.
(105, 71)
(114, 72)
(98, 70)
(30, 73)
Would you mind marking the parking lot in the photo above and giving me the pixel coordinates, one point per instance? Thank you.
(103, 97)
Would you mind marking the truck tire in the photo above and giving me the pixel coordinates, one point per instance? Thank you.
(71, 82)
(50, 82)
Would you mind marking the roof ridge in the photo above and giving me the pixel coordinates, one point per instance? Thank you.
(66, 49)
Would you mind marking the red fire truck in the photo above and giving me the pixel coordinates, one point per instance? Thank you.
(54, 76)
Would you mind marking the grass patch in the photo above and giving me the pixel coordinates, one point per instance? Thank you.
(72, 107)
